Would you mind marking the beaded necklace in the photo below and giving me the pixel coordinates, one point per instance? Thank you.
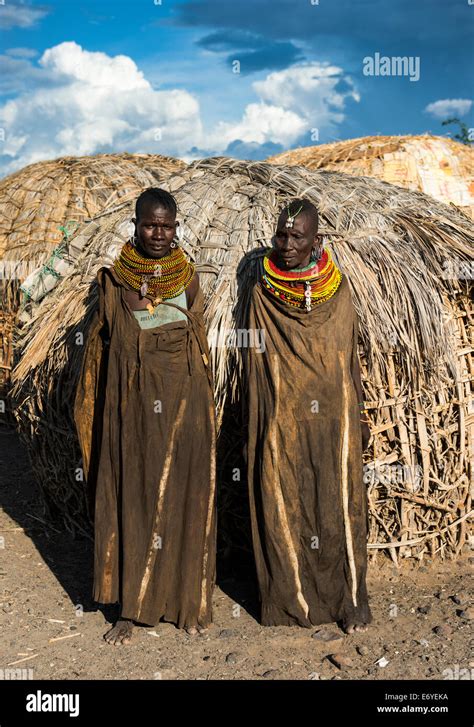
(157, 280)
(302, 287)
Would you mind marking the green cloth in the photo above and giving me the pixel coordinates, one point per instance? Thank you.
(163, 313)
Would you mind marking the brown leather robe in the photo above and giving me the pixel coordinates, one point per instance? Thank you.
(144, 413)
(305, 471)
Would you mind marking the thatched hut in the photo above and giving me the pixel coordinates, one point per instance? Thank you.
(42, 203)
(402, 252)
(435, 165)
(38, 200)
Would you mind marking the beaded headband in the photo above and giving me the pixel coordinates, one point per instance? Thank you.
(291, 217)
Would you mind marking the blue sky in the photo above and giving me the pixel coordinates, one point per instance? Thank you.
(246, 78)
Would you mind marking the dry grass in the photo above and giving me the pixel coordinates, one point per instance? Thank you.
(435, 165)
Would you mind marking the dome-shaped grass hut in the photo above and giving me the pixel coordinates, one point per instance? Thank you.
(39, 199)
(43, 202)
(402, 252)
(435, 165)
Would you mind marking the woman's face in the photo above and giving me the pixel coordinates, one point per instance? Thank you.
(293, 244)
(155, 231)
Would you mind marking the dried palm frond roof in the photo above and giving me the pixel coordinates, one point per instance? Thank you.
(42, 197)
(397, 249)
(435, 165)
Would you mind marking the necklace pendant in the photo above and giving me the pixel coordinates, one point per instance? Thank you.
(307, 296)
(143, 289)
(289, 222)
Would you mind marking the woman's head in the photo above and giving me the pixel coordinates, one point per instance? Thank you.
(155, 222)
(296, 234)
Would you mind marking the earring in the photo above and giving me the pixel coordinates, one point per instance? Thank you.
(179, 232)
(316, 257)
(178, 236)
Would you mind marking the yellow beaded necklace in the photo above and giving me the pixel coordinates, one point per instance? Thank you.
(157, 280)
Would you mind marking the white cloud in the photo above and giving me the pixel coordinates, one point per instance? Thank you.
(76, 102)
(91, 103)
(292, 102)
(260, 122)
(97, 69)
(21, 52)
(449, 107)
(19, 15)
(311, 89)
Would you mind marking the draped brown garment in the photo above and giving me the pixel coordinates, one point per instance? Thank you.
(305, 472)
(144, 413)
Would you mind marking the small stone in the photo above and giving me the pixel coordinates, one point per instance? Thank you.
(423, 642)
(424, 609)
(441, 595)
(206, 658)
(227, 633)
(467, 613)
(72, 628)
(269, 673)
(363, 650)
(461, 599)
(443, 630)
(329, 639)
(341, 661)
(382, 662)
(231, 658)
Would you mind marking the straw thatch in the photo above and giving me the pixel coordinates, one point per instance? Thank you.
(40, 198)
(415, 346)
(435, 165)
(44, 202)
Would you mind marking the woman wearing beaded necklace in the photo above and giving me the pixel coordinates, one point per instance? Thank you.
(144, 413)
(306, 434)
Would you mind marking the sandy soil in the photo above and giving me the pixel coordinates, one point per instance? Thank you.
(49, 625)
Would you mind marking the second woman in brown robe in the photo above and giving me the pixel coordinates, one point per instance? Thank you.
(308, 501)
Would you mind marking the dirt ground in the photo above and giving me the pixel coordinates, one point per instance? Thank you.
(50, 627)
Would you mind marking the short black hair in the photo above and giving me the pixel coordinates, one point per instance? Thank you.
(156, 197)
(308, 208)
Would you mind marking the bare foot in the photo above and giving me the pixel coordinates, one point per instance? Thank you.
(352, 627)
(121, 633)
(194, 630)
